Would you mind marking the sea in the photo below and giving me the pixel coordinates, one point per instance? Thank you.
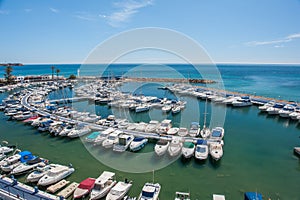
(258, 148)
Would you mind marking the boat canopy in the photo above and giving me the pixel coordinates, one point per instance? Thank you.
(138, 139)
(104, 177)
(148, 191)
(87, 183)
(188, 145)
(201, 141)
(253, 196)
(25, 156)
(93, 135)
(216, 133)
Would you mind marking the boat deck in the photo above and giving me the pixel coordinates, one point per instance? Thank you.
(68, 190)
(54, 188)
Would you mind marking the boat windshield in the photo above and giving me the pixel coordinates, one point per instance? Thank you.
(147, 194)
(115, 192)
(162, 142)
(200, 149)
(98, 187)
(111, 137)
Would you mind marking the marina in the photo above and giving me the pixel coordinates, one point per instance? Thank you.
(101, 123)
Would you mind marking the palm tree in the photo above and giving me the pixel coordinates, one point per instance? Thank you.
(52, 68)
(8, 75)
(57, 72)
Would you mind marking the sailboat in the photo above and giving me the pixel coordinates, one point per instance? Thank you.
(150, 191)
(205, 132)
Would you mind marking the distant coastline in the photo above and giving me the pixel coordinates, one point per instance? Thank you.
(11, 64)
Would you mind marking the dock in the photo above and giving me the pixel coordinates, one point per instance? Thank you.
(65, 193)
(54, 188)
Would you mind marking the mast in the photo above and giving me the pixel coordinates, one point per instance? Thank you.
(205, 113)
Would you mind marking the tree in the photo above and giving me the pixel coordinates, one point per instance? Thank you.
(8, 76)
(57, 72)
(52, 68)
(72, 76)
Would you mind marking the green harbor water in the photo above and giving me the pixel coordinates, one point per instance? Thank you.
(258, 154)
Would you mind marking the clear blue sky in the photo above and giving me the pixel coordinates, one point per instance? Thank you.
(65, 31)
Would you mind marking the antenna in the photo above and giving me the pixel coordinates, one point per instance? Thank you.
(153, 176)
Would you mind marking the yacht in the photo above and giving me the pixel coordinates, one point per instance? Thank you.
(287, 110)
(166, 108)
(264, 107)
(84, 188)
(66, 130)
(56, 174)
(205, 132)
(111, 139)
(182, 132)
(92, 137)
(142, 108)
(138, 143)
(150, 191)
(141, 127)
(161, 147)
(27, 166)
(201, 151)
(188, 149)
(216, 151)
(164, 126)
(39, 172)
(217, 133)
(176, 109)
(152, 126)
(103, 136)
(123, 142)
(229, 100)
(274, 110)
(132, 126)
(8, 164)
(194, 129)
(119, 191)
(79, 131)
(103, 185)
(175, 146)
(295, 114)
(173, 131)
(242, 102)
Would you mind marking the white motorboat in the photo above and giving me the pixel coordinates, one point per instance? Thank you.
(188, 149)
(201, 151)
(56, 174)
(274, 110)
(150, 191)
(112, 139)
(297, 150)
(176, 109)
(39, 172)
(119, 191)
(103, 185)
(295, 114)
(175, 146)
(164, 126)
(194, 129)
(92, 137)
(217, 133)
(182, 196)
(166, 108)
(242, 102)
(142, 108)
(29, 165)
(6, 149)
(216, 151)
(141, 126)
(79, 131)
(161, 147)
(123, 142)
(152, 126)
(182, 132)
(264, 107)
(10, 160)
(138, 143)
(218, 99)
(173, 131)
(205, 132)
(132, 126)
(84, 188)
(230, 99)
(66, 130)
(103, 136)
(287, 110)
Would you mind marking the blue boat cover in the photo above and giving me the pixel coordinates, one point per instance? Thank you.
(253, 196)
(216, 133)
(93, 135)
(26, 156)
(200, 141)
(138, 139)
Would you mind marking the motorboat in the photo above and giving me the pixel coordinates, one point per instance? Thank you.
(92, 137)
(194, 129)
(219, 197)
(79, 131)
(142, 108)
(242, 102)
(267, 105)
(141, 126)
(176, 109)
(205, 132)
(229, 100)
(297, 150)
(252, 196)
(103, 185)
(295, 114)
(217, 133)
(201, 151)
(8, 164)
(161, 147)
(216, 151)
(287, 110)
(5, 149)
(175, 146)
(112, 139)
(274, 110)
(173, 131)
(150, 191)
(84, 188)
(11, 159)
(152, 126)
(182, 196)
(164, 126)
(31, 119)
(132, 126)
(27, 166)
(138, 143)
(188, 149)
(103, 136)
(39, 172)
(119, 191)
(182, 132)
(123, 142)
(166, 108)
(66, 130)
(56, 174)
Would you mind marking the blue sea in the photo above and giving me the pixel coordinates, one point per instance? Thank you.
(269, 80)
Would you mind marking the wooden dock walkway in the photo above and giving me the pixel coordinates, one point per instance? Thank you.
(54, 188)
(65, 193)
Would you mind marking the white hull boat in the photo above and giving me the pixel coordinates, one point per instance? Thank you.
(39, 173)
(173, 131)
(111, 139)
(119, 191)
(194, 129)
(216, 151)
(201, 151)
(150, 191)
(152, 126)
(175, 147)
(123, 142)
(188, 149)
(103, 185)
(138, 143)
(25, 167)
(161, 147)
(103, 136)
